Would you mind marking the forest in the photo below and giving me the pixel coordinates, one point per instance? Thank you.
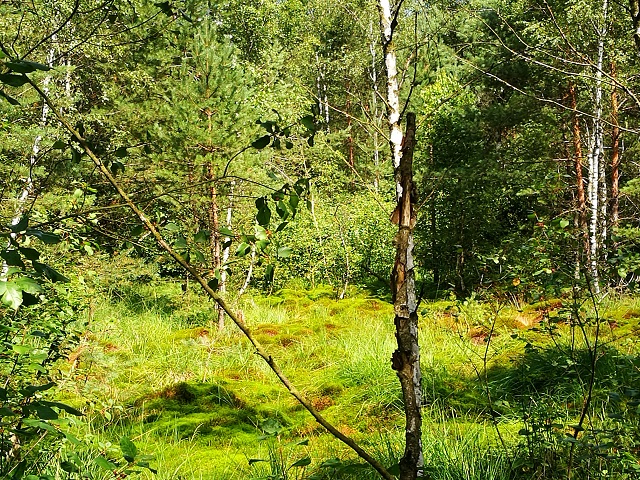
(319, 240)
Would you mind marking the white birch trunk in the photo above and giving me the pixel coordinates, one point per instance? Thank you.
(319, 88)
(597, 189)
(406, 358)
(226, 250)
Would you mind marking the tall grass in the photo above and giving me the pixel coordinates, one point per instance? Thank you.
(154, 367)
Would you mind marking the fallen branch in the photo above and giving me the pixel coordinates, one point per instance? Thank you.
(215, 296)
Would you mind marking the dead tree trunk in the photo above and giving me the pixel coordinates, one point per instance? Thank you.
(406, 358)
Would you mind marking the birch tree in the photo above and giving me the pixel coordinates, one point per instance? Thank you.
(406, 358)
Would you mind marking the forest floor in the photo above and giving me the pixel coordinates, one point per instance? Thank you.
(153, 366)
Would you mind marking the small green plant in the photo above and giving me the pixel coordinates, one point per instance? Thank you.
(280, 462)
(128, 461)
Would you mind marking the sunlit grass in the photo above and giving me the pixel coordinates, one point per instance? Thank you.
(153, 366)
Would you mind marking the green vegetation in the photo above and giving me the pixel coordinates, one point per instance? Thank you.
(220, 233)
(150, 369)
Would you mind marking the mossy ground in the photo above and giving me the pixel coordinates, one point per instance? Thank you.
(154, 366)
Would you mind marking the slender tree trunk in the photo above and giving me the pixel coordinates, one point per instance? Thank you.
(634, 10)
(581, 201)
(350, 143)
(406, 358)
(434, 229)
(597, 191)
(615, 154)
(247, 278)
(214, 225)
(227, 249)
(578, 156)
(374, 113)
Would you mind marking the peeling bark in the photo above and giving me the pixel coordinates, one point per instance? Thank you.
(406, 358)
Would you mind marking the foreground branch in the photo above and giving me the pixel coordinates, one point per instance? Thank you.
(212, 294)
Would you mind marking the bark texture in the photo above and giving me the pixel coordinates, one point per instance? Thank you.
(406, 358)
(615, 154)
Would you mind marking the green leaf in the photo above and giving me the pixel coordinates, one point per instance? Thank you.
(45, 237)
(202, 236)
(282, 211)
(311, 141)
(145, 464)
(172, 227)
(180, 243)
(116, 167)
(243, 249)
(226, 231)
(28, 285)
(9, 98)
(129, 450)
(22, 349)
(69, 467)
(284, 252)
(105, 464)
(76, 155)
(59, 145)
(21, 226)
(264, 216)
(262, 142)
(256, 460)
(281, 227)
(28, 299)
(303, 462)
(13, 80)
(564, 223)
(12, 257)
(269, 273)
(6, 412)
(31, 389)
(121, 152)
(48, 272)
(261, 233)
(213, 284)
(271, 426)
(24, 66)
(198, 255)
(331, 463)
(29, 253)
(308, 123)
(12, 294)
(298, 443)
(165, 7)
(43, 412)
(62, 406)
(294, 200)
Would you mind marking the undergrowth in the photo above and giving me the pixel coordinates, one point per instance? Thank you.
(502, 386)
